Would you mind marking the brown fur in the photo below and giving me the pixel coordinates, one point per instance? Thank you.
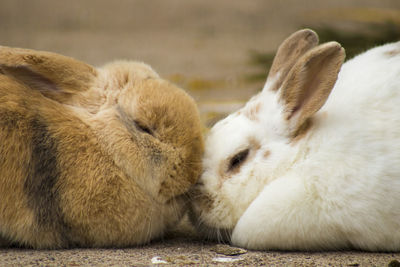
(76, 168)
(266, 153)
(393, 53)
(252, 112)
(302, 131)
(288, 53)
(303, 93)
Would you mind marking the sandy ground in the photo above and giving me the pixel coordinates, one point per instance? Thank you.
(204, 46)
(184, 252)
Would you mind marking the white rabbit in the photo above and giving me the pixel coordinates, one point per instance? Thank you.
(296, 170)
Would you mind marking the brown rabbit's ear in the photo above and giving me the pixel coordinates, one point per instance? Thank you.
(309, 83)
(52, 74)
(288, 53)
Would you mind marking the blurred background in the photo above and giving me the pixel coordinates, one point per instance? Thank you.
(219, 51)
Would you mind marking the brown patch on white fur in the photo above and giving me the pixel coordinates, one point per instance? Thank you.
(393, 53)
(266, 153)
(254, 144)
(252, 112)
(302, 131)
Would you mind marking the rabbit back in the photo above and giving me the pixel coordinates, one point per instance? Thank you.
(24, 140)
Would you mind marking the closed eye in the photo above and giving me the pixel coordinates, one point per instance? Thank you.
(143, 128)
(238, 159)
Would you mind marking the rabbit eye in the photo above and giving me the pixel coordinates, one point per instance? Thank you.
(143, 128)
(238, 159)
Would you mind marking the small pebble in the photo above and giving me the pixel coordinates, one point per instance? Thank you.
(228, 250)
(225, 259)
(158, 260)
(181, 260)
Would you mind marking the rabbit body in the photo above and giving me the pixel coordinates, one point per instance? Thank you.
(331, 181)
(91, 157)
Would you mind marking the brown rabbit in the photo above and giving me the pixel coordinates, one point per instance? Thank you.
(91, 157)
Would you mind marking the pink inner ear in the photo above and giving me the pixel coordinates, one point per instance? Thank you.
(30, 78)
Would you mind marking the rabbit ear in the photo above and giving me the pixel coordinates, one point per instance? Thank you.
(309, 83)
(52, 74)
(288, 53)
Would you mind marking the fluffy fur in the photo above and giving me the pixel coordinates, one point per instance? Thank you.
(319, 173)
(91, 157)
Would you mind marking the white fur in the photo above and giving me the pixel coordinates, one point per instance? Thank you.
(336, 188)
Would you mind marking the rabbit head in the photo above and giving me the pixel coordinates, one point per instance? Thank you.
(110, 151)
(258, 143)
(161, 120)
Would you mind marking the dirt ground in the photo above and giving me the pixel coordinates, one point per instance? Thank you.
(202, 45)
(183, 252)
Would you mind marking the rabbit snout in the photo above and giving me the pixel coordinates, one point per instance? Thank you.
(201, 203)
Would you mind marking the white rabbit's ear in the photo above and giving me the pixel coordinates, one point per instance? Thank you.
(288, 53)
(52, 74)
(309, 83)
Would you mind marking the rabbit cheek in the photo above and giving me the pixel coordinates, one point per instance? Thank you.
(168, 171)
(173, 183)
(40, 183)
